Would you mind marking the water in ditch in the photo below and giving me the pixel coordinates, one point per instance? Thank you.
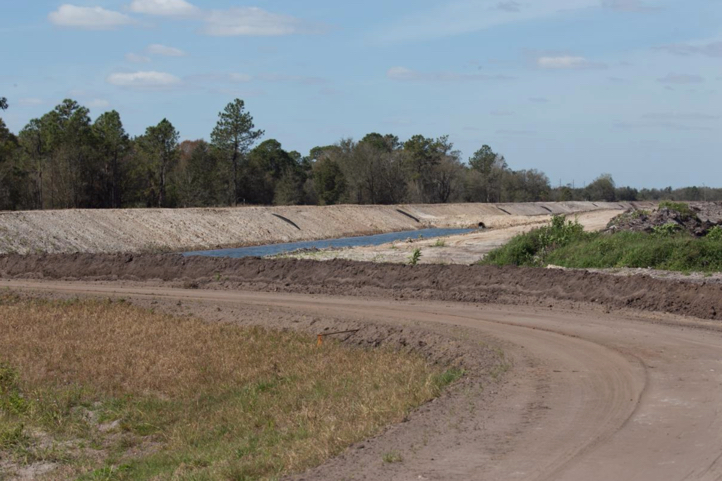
(369, 240)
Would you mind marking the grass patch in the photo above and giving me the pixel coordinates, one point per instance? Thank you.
(109, 391)
(678, 252)
(566, 244)
(532, 248)
(684, 210)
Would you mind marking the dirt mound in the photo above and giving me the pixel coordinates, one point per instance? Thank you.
(697, 219)
(485, 284)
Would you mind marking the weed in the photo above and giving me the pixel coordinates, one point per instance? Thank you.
(392, 457)
(683, 209)
(666, 230)
(440, 243)
(532, 248)
(415, 257)
(715, 233)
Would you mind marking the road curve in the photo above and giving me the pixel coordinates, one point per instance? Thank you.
(592, 396)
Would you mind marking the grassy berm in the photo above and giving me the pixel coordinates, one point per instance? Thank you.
(564, 243)
(105, 390)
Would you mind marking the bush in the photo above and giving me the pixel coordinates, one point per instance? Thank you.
(640, 250)
(715, 233)
(684, 209)
(531, 248)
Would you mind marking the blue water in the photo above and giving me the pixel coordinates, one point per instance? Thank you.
(369, 240)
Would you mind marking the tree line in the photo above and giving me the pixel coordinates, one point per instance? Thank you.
(66, 160)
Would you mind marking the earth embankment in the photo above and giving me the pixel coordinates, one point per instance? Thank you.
(153, 230)
(479, 284)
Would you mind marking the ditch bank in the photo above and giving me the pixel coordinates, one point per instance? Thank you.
(478, 284)
(178, 230)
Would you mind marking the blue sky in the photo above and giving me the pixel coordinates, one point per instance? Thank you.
(571, 87)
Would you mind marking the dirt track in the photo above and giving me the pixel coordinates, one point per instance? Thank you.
(590, 395)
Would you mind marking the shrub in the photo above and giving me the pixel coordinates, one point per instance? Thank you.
(715, 233)
(415, 257)
(531, 248)
(684, 209)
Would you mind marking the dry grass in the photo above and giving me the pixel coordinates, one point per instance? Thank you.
(110, 391)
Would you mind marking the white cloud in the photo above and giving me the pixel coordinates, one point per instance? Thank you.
(712, 49)
(220, 78)
(279, 77)
(254, 21)
(91, 18)
(406, 74)
(143, 80)
(98, 104)
(567, 62)
(157, 49)
(680, 79)
(170, 8)
(456, 17)
(509, 6)
(629, 6)
(135, 58)
(30, 101)
(681, 116)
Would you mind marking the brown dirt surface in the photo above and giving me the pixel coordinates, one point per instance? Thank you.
(484, 284)
(588, 395)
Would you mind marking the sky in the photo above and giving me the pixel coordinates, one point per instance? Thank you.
(573, 88)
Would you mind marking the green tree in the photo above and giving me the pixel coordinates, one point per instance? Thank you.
(3, 103)
(491, 167)
(113, 146)
(68, 142)
(233, 137)
(266, 164)
(160, 147)
(329, 181)
(601, 189)
(11, 181)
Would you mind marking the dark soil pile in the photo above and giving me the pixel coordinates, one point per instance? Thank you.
(698, 220)
(482, 284)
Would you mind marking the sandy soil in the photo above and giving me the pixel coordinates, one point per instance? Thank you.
(458, 249)
(161, 230)
(589, 395)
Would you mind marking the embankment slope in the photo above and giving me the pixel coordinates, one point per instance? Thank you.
(152, 230)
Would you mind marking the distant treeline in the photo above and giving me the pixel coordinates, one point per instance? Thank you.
(66, 160)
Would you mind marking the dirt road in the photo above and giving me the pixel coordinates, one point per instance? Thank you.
(589, 396)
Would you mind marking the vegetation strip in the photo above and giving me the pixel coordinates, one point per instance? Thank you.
(107, 390)
(565, 243)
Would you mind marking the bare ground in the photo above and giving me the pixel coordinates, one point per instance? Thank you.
(456, 249)
(590, 394)
(162, 230)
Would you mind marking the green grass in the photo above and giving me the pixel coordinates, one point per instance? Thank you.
(679, 252)
(684, 209)
(565, 244)
(105, 390)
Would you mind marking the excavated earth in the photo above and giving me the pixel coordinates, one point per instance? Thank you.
(570, 375)
(480, 284)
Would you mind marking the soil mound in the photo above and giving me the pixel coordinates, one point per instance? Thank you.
(483, 284)
(697, 219)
